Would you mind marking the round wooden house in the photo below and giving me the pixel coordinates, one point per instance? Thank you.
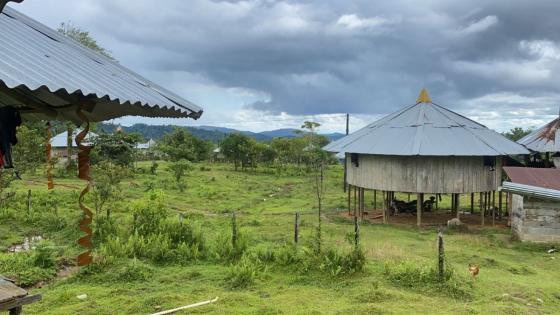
(546, 141)
(425, 149)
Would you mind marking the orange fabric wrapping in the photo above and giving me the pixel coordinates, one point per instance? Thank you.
(85, 258)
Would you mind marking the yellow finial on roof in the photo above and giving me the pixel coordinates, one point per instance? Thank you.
(424, 97)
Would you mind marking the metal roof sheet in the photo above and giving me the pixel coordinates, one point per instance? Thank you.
(46, 65)
(539, 177)
(426, 129)
(544, 139)
(531, 191)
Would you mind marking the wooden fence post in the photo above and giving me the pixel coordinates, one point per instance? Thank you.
(441, 257)
(356, 232)
(29, 202)
(233, 230)
(419, 201)
(296, 229)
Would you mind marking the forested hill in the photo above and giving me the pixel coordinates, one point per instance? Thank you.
(211, 133)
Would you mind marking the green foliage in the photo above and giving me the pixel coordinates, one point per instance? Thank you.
(179, 169)
(223, 249)
(181, 145)
(83, 37)
(134, 270)
(107, 190)
(149, 213)
(29, 152)
(239, 149)
(244, 273)
(517, 133)
(153, 167)
(415, 275)
(28, 268)
(118, 148)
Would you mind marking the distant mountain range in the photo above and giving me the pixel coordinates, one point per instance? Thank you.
(211, 133)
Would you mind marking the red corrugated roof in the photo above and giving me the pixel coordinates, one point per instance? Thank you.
(539, 177)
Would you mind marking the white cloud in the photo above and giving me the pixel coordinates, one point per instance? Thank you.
(479, 26)
(542, 49)
(352, 22)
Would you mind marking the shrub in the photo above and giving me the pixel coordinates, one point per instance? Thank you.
(243, 274)
(223, 249)
(134, 270)
(149, 213)
(415, 275)
(26, 267)
(287, 255)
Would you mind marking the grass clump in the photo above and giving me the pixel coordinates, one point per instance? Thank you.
(29, 268)
(418, 276)
(244, 273)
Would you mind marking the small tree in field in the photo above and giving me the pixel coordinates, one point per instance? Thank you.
(182, 145)
(180, 169)
(318, 160)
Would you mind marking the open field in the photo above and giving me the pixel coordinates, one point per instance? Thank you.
(514, 278)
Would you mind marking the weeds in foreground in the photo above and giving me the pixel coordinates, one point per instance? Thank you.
(418, 276)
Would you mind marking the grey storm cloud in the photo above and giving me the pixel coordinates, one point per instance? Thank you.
(364, 57)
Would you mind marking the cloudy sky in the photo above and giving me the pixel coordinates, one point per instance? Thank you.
(265, 64)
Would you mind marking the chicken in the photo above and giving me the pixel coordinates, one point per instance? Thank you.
(474, 270)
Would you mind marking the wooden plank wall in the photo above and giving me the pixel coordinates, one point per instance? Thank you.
(424, 174)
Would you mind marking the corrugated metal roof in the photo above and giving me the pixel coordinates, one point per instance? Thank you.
(426, 129)
(44, 65)
(544, 139)
(60, 140)
(531, 191)
(539, 177)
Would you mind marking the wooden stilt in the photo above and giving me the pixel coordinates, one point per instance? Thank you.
(472, 203)
(362, 203)
(419, 200)
(384, 207)
(493, 208)
(480, 201)
(483, 209)
(374, 199)
(457, 204)
(349, 198)
(500, 205)
(355, 200)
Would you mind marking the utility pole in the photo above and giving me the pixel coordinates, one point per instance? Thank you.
(345, 184)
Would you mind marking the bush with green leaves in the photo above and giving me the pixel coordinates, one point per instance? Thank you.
(244, 273)
(179, 169)
(28, 268)
(148, 213)
(416, 275)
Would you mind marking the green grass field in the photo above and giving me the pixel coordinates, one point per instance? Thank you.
(515, 278)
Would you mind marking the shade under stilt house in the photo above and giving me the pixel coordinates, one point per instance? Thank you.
(422, 149)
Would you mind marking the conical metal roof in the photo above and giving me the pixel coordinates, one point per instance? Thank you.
(544, 139)
(426, 128)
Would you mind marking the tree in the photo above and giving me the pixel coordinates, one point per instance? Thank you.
(83, 37)
(517, 133)
(118, 148)
(29, 152)
(179, 169)
(180, 144)
(107, 190)
(317, 159)
(239, 149)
